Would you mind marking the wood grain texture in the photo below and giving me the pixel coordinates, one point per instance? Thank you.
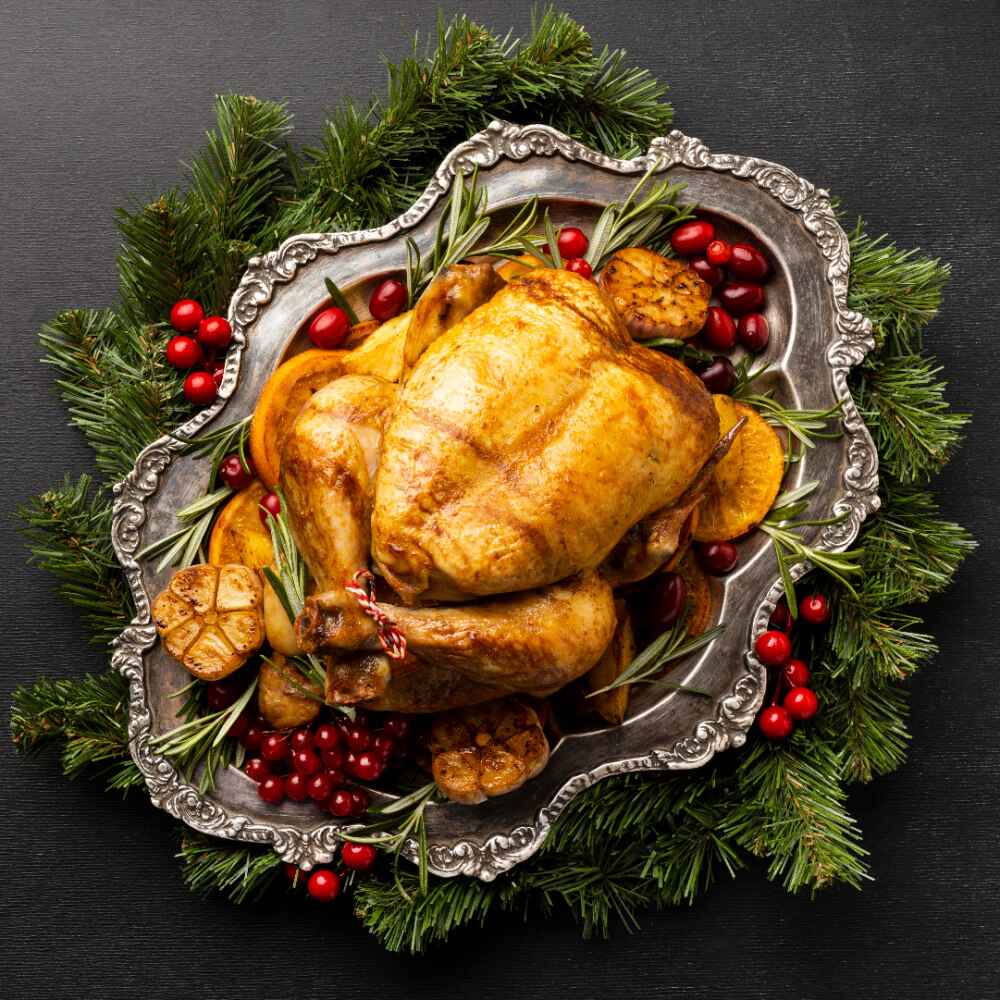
(891, 107)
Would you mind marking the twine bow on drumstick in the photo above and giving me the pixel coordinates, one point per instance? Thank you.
(393, 641)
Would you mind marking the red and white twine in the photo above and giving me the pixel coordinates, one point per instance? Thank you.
(390, 638)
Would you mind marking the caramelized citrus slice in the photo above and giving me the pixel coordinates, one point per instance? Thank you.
(746, 481)
(698, 593)
(238, 535)
(285, 393)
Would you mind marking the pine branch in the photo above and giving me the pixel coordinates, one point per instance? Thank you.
(897, 290)
(909, 552)
(90, 714)
(905, 410)
(243, 872)
(790, 809)
(865, 725)
(68, 534)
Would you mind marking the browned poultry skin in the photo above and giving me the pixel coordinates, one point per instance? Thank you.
(326, 471)
(527, 641)
(449, 298)
(529, 439)
(432, 689)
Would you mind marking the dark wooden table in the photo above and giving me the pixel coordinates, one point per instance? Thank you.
(893, 108)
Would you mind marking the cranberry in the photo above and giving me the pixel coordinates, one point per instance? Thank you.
(358, 857)
(795, 673)
(292, 872)
(340, 802)
(814, 610)
(253, 737)
(719, 330)
(257, 769)
(302, 739)
(327, 738)
(183, 353)
(360, 801)
(369, 766)
(692, 237)
(742, 297)
(333, 758)
(800, 703)
(200, 388)
(296, 786)
(222, 694)
(364, 718)
(748, 262)
(708, 271)
(572, 243)
(218, 371)
(753, 331)
(718, 252)
(329, 327)
(274, 747)
(239, 726)
(388, 299)
(717, 558)
(383, 745)
(324, 885)
(358, 738)
(775, 723)
(664, 601)
(186, 315)
(397, 725)
(774, 648)
(234, 474)
(215, 332)
(579, 266)
(272, 788)
(337, 777)
(270, 503)
(350, 759)
(306, 762)
(718, 375)
(781, 619)
(320, 787)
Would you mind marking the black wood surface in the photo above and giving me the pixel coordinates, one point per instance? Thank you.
(890, 106)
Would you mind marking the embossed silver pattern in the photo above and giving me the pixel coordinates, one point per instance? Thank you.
(671, 731)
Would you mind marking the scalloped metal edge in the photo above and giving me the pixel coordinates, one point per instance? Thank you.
(499, 853)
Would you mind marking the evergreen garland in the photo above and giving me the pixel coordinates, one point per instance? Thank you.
(630, 842)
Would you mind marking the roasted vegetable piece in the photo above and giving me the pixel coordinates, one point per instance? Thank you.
(654, 295)
(486, 750)
(281, 703)
(612, 705)
(210, 618)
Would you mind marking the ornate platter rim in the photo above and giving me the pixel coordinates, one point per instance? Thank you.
(500, 852)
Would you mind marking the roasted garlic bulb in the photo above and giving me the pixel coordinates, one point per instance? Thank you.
(654, 295)
(210, 618)
(486, 750)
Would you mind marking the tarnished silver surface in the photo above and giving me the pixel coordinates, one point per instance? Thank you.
(815, 340)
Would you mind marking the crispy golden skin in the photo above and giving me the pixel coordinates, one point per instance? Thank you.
(529, 439)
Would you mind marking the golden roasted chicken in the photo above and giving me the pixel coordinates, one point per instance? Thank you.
(524, 456)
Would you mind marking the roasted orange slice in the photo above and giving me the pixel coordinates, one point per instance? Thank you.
(238, 535)
(746, 481)
(698, 593)
(285, 393)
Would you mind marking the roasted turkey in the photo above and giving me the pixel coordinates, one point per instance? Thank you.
(527, 456)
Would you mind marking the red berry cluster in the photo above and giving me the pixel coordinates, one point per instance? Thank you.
(211, 334)
(736, 272)
(324, 884)
(572, 246)
(793, 701)
(325, 763)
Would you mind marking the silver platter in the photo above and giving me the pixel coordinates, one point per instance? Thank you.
(815, 340)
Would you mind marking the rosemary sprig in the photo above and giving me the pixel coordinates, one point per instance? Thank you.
(791, 550)
(203, 737)
(638, 223)
(219, 443)
(184, 546)
(339, 299)
(672, 645)
(403, 817)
